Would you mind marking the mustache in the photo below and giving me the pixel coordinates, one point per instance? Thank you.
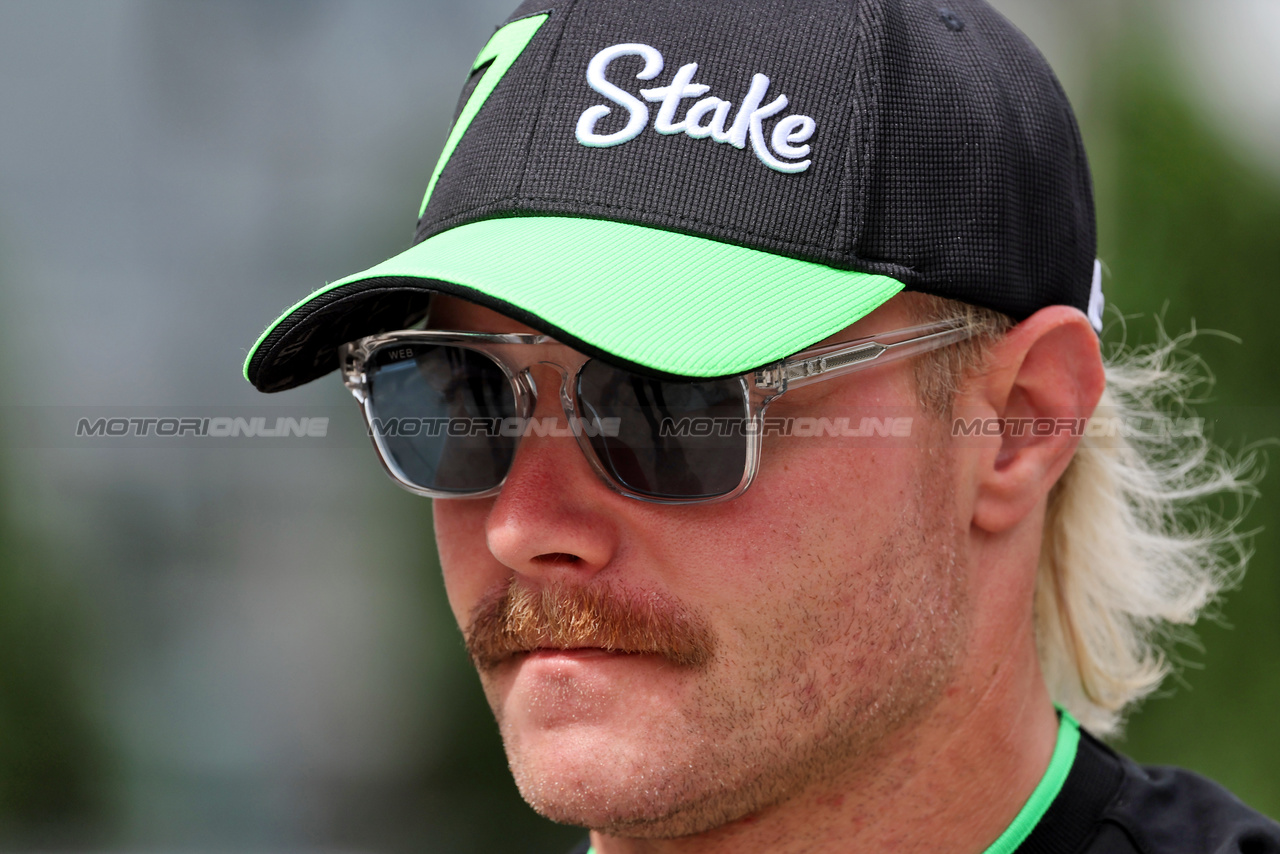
(560, 616)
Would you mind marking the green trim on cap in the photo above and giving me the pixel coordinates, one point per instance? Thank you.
(502, 51)
(1064, 756)
(671, 302)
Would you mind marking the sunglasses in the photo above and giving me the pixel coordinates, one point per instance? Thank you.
(447, 410)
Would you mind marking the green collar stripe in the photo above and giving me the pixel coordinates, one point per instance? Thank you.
(1064, 756)
(502, 51)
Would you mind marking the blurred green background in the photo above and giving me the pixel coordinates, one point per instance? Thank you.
(247, 648)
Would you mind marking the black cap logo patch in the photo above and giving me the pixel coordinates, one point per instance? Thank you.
(708, 118)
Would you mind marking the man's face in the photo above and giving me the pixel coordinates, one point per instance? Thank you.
(828, 600)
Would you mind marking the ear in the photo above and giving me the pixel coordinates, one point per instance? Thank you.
(1042, 380)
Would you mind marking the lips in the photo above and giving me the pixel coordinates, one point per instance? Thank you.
(578, 652)
(575, 652)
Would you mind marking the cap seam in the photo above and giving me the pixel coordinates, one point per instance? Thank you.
(846, 225)
(549, 72)
(835, 239)
(1082, 164)
(872, 12)
(904, 273)
(463, 218)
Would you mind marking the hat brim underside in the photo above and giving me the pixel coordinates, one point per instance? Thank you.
(658, 301)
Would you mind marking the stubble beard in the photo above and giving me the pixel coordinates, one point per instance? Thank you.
(819, 697)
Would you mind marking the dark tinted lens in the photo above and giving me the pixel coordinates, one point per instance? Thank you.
(674, 439)
(438, 415)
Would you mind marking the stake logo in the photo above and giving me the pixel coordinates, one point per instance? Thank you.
(707, 118)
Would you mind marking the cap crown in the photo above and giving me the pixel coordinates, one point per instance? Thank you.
(933, 145)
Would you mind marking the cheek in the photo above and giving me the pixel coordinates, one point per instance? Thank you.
(812, 540)
(795, 541)
(469, 569)
(832, 492)
(846, 491)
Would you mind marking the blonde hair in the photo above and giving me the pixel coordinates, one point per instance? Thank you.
(1131, 554)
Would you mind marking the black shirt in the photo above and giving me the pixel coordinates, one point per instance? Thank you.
(1109, 804)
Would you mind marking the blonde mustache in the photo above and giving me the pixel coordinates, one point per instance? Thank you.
(560, 616)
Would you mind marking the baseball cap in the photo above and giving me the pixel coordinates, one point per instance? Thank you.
(697, 189)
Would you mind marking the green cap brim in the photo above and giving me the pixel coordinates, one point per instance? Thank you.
(663, 301)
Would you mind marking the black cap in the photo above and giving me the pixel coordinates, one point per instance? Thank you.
(896, 141)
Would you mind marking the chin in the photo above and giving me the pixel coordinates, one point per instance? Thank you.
(624, 811)
(604, 742)
(656, 790)
(588, 779)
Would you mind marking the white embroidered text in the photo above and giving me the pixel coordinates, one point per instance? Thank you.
(706, 118)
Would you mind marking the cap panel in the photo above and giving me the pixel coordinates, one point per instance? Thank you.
(486, 164)
(691, 183)
(495, 60)
(976, 182)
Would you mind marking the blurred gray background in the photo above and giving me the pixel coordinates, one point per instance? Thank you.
(244, 647)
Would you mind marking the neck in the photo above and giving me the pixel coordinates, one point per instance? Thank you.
(950, 781)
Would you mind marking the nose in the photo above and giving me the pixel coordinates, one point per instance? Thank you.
(552, 520)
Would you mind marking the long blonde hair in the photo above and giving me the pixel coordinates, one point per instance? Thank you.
(1131, 554)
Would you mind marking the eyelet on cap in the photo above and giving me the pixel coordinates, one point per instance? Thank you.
(951, 19)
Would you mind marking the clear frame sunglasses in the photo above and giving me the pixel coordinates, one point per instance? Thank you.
(447, 410)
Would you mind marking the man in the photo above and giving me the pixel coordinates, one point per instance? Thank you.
(710, 309)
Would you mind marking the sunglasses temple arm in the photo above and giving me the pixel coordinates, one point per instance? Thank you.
(795, 373)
